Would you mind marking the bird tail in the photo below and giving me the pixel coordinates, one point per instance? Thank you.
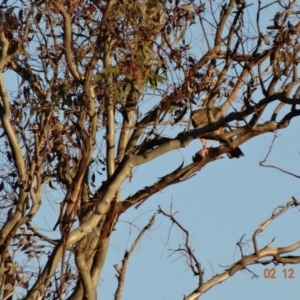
(235, 153)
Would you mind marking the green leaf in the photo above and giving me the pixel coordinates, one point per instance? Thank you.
(107, 72)
(153, 83)
(99, 77)
(160, 78)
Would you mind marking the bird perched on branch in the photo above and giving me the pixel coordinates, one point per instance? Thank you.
(199, 119)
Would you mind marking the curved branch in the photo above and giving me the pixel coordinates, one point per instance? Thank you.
(5, 110)
(44, 277)
(7, 231)
(122, 270)
(244, 262)
(41, 236)
(89, 287)
(178, 175)
(222, 23)
(193, 262)
(262, 163)
(125, 132)
(68, 40)
(80, 232)
(110, 139)
(275, 215)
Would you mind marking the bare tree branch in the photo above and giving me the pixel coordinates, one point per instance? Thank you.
(262, 163)
(245, 261)
(121, 271)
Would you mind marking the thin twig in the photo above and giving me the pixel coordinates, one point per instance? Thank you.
(193, 262)
(262, 163)
(122, 270)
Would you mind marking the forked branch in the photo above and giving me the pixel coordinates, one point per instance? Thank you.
(276, 254)
(263, 162)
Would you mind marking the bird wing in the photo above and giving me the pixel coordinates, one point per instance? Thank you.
(199, 118)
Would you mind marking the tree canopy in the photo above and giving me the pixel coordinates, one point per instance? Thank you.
(101, 87)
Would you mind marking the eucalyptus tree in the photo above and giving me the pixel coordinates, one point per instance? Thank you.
(90, 90)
